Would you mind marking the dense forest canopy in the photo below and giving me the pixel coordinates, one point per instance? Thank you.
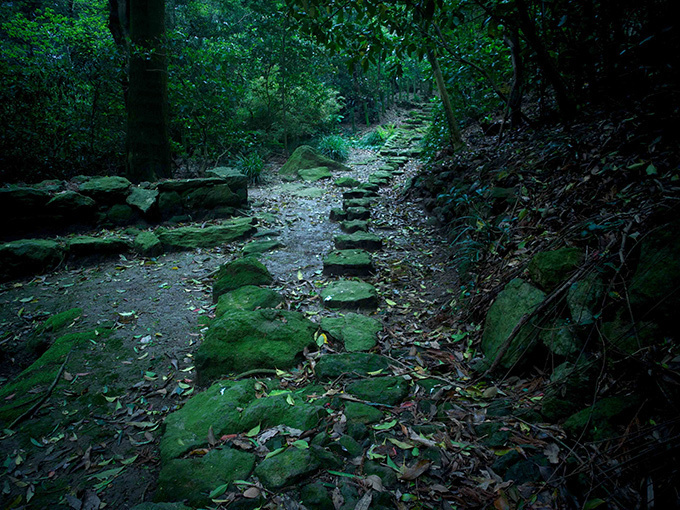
(249, 77)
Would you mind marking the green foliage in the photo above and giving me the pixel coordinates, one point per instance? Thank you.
(251, 165)
(378, 136)
(334, 147)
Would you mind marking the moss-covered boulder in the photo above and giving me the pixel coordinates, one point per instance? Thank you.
(346, 182)
(193, 479)
(27, 256)
(348, 263)
(628, 337)
(357, 332)
(351, 365)
(358, 240)
(169, 204)
(211, 197)
(22, 201)
(243, 340)
(338, 214)
(381, 390)
(549, 269)
(315, 496)
(108, 190)
(654, 287)
(120, 214)
(147, 244)
(305, 157)
(517, 299)
(357, 412)
(190, 238)
(314, 174)
(238, 273)
(584, 299)
(84, 246)
(599, 421)
(73, 206)
(357, 213)
(559, 338)
(144, 200)
(237, 181)
(290, 409)
(357, 202)
(248, 297)
(183, 185)
(45, 334)
(260, 246)
(349, 294)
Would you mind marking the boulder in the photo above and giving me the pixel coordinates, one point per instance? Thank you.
(237, 181)
(356, 412)
(549, 269)
(358, 332)
(349, 294)
(337, 214)
(276, 410)
(26, 256)
(142, 199)
(238, 273)
(120, 214)
(288, 467)
(243, 340)
(189, 238)
(147, 244)
(598, 421)
(211, 197)
(348, 263)
(72, 205)
(248, 297)
(390, 391)
(351, 365)
(85, 246)
(306, 157)
(559, 338)
(346, 182)
(107, 190)
(357, 213)
(354, 226)
(193, 479)
(261, 246)
(20, 201)
(314, 174)
(184, 185)
(585, 299)
(358, 240)
(169, 204)
(517, 299)
(357, 202)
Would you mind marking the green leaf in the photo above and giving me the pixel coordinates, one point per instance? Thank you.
(216, 493)
(390, 463)
(254, 431)
(385, 426)
(339, 473)
(593, 503)
(275, 452)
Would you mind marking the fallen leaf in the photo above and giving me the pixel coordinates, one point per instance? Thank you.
(251, 493)
(552, 452)
(365, 502)
(211, 437)
(254, 431)
(415, 471)
(374, 482)
(385, 426)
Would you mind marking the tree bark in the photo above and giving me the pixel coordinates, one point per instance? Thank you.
(148, 144)
(515, 99)
(455, 139)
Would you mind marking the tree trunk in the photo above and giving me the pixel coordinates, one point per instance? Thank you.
(454, 132)
(148, 141)
(515, 99)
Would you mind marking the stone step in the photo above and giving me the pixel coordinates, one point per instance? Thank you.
(354, 226)
(356, 202)
(349, 294)
(348, 263)
(357, 213)
(358, 240)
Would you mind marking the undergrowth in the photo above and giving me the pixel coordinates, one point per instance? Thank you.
(334, 147)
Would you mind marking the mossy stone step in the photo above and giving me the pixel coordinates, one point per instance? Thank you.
(353, 226)
(357, 213)
(358, 240)
(357, 202)
(349, 294)
(337, 214)
(238, 273)
(359, 193)
(189, 238)
(83, 246)
(248, 297)
(358, 332)
(315, 174)
(350, 364)
(348, 263)
(381, 390)
(261, 246)
(347, 182)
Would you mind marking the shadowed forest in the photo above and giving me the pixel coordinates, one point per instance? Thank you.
(419, 254)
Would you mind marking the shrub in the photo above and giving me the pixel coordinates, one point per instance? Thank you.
(251, 165)
(378, 136)
(334, 147)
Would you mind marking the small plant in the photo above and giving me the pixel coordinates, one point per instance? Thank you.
(378, 136)
(334, 147)
(251, 165)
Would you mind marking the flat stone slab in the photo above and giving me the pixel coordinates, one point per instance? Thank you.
(182, 185)
(382, 390)
(348, 263)
(358, 332)
(106, 189)
(351, 365)
(189, 238)
(243, 340)
(358, 240)
(142, 199)
(359, 193)
(83, 246)
(349, 294)
(261, 246)
(346, 182)
(248, 297)
(315, 174)
(28, 255)
(354, 226)
(358, 213)
(310, 193)
(357, 202)
(338, 214)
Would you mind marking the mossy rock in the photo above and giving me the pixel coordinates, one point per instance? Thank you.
(287, 468)
(211, 197)
(143, 199)
(147, 244)
(382, 390)
(306, 157)
(357, 412)
(169, 204)
(357, 332)
(338, 214)
(358, 240)
(357, 202)
(513, 302)
(45, 333)
(348, 263)
(22, 201)
(346, 182)
(549, 269)
(357, 213)
(351, 227)
(584, 297)
(354, 364)
(184, 185)
(27, 256)
(245, 340)
(276, 410)
(310, 193)
(71, 204)
(627, 337)
(42, 373)
(120, 214)
(84, 246)
(190, 238)
(559, 338)
(107, 190)
(238, 273)
(218, 407)
(315, 496)
(194, 478)
(349, 294)
(248, 297)
(315, 174)
(598, 421)
(261, 246)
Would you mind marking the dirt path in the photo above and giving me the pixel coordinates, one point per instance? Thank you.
(96, 438)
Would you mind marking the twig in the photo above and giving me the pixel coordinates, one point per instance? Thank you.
(47, 394)
(256, 371)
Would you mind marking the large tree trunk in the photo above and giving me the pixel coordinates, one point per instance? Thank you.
(148, 142)
(515, 99)
(454, 131)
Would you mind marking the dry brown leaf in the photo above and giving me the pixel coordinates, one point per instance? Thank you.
(251, 493)
(365, 502)
(374, 482)
(416, 470)
(211, 437)
(338, 499)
